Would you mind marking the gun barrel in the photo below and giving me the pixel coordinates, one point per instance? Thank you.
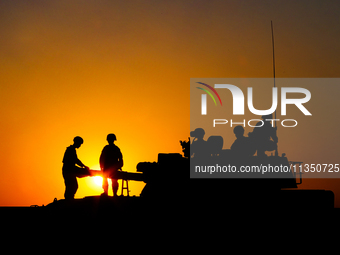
(130, 176)
(95, 173)
(120, 175)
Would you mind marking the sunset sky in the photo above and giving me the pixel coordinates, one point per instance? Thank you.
(90, 68)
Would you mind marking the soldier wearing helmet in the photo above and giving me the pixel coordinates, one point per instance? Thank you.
(73, 168)
(198, 148)
(242, 146)
(111, 160)
(264, 136)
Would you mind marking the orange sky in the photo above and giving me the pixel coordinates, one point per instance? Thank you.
(90, 68)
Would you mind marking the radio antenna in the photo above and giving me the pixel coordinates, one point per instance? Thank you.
(273, 56)
(271, 22)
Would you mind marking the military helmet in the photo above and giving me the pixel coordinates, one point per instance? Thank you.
(198, 132)
(111, 137)
(238, 130)
(78, 140)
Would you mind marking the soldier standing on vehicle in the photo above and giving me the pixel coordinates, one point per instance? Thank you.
(264, 136)
(111, 160)
(73, 168)
(198, 147)
(242, 146)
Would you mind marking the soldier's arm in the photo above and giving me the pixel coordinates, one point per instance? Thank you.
(233, 146)
(79, 163)
(120, 157)
(77, 160)
(102, 159)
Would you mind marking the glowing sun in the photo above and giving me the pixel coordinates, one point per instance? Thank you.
(98, 180)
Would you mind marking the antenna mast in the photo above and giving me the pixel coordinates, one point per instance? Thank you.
(271, 22)
(273, 57)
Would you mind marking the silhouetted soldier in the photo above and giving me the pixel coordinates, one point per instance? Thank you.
(242, 146)
(186, 148)
(111, 160)
(73, 168)
(198, 147)
(264, 137)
